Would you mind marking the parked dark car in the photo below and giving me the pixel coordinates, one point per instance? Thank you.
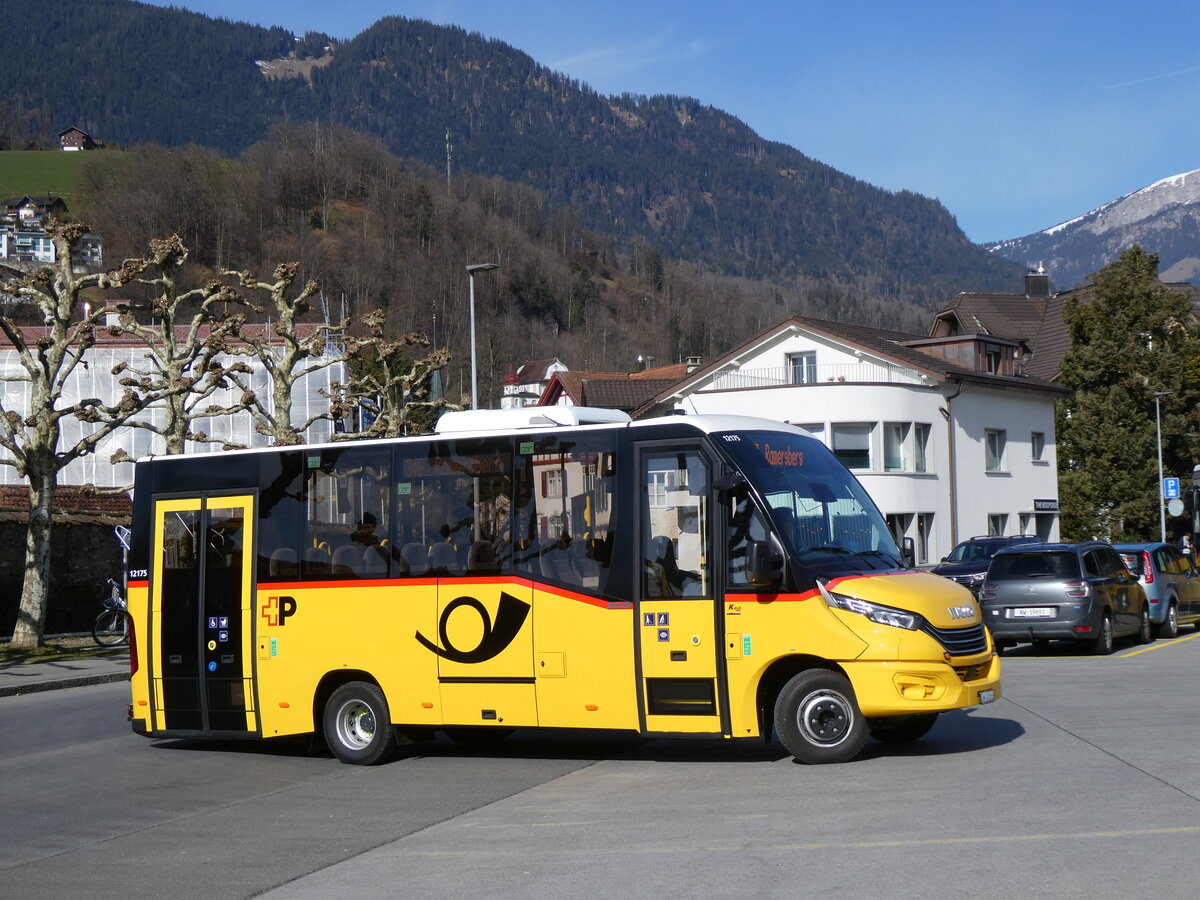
(968, 562)
(1171, 583)
(1075, 592)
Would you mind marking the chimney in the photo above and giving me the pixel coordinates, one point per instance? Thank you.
(693, 363)
(1037, 283)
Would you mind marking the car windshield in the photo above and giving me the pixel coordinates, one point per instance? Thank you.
(822, 513)
(973, 551)
(1055, 565)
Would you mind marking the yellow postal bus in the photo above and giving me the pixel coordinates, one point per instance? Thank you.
(564, 567)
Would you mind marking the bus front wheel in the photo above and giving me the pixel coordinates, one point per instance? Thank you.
(817, 718)
(358, 726)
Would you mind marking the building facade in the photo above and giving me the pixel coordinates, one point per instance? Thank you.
(949, 441)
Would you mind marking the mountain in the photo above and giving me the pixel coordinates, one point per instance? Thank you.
(1163, 218)
(694, 182)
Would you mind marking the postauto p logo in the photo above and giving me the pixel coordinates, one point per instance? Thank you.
(510, 616)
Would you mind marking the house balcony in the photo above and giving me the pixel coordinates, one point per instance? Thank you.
(842, 373)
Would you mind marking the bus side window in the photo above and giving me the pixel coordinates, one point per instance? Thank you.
(280, 516)
(746, 525)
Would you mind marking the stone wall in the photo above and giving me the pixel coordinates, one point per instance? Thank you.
(82, 558)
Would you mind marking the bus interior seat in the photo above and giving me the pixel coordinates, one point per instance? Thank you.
(283, 563)
(662, 574)
(346, 560)
(481, 558)
(375, 562)
(316, 560)
(556, 563)
(583, 558)
(414, 558)
(443, 559)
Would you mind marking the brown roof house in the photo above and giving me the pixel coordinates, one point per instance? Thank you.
(1032, 319)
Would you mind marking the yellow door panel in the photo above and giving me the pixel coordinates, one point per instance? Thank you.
(585, 665)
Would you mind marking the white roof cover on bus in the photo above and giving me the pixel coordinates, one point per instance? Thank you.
(528, 417)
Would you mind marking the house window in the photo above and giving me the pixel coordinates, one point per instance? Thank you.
(552, 486)
(924, 532)
(816, 430)
(995, 439)
(1037, 445)
(894, 434)
(803, 368)
(659, 483)
(920, 442)
(997, 522)
(852, 445)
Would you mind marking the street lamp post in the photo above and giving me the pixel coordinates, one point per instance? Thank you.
(471, 270)
(1162, 503)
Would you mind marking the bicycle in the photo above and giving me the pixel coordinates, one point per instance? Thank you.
(112, 625)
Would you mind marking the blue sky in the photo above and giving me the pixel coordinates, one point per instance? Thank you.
(1016, 116)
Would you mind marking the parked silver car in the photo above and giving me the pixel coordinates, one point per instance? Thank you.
(1079, 592)
(1171, 582)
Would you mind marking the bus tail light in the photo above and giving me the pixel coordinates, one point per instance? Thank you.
(133, 656)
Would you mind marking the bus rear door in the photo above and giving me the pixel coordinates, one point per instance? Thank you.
(679, 641)
(201, 629)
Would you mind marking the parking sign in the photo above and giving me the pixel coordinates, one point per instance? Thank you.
(1170, 488)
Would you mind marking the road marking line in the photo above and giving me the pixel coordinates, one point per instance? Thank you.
(1160, 646)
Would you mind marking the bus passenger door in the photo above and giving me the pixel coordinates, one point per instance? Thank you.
(679, 640)
(200, 607)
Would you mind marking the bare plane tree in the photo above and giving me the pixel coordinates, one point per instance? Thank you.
(46, 357)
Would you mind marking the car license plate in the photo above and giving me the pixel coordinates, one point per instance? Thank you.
(987, 696)
(1033, 612)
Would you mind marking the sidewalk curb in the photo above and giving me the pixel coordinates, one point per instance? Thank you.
(36, 687)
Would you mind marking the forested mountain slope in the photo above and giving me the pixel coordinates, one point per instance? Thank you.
(691, 180)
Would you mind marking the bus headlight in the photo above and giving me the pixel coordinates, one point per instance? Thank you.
(880, 615)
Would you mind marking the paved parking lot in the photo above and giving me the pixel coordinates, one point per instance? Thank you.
(1081, 782)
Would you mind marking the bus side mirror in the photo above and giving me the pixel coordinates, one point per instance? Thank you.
(909, 551)
(764, 564)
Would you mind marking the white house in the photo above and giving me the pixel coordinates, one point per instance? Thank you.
(523, 384)
(946, 438)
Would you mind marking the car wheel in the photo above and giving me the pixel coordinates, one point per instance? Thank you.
(817, 718)
(901, 729)
(1102, 643)
(1145, 633)
(1169, 627)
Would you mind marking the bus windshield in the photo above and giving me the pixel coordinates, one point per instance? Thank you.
(821, 512)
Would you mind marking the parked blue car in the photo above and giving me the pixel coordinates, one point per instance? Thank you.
(1171, 581)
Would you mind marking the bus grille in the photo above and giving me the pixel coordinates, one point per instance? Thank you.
(959, 641)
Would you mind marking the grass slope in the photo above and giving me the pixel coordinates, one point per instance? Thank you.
(39, 172)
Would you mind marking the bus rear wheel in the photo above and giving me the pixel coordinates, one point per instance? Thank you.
(817, 718)
(358, 725)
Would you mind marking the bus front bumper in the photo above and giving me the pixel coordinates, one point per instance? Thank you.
(905, 687)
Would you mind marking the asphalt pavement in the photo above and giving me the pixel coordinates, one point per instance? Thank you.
(32, 677)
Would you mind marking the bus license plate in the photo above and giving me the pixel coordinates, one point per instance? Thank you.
(987, 696)
(1033, 612)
